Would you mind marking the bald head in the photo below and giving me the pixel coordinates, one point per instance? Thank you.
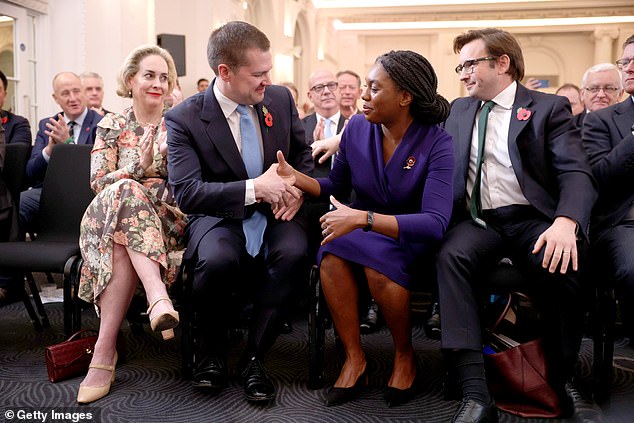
(68, 93)
(323, 92)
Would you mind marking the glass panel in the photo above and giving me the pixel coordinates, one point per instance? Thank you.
(7, 65)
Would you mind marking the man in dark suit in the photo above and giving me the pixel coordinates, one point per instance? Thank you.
(349, 92)
(608, 137)
(16, 128)
(219, 143)
(76, 124)
(532, 200)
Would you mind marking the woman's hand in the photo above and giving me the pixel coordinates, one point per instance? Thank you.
(285, 170)
(146, 149)
(328, 147)
(341, 221)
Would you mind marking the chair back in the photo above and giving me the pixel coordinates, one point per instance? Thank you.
(66, 193)
(14, 171)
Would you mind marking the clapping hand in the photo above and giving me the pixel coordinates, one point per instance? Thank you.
(146, 149)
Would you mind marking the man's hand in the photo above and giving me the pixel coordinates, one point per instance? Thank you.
(270, 188)
(318, 132)
(533, 84)
(561, 245)
(293, 203)
(57, 132)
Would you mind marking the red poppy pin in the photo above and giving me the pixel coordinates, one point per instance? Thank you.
(409, 163)
(523, 114)
(5, 120)
(268, 118)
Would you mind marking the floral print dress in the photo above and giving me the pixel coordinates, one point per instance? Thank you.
(132, 208)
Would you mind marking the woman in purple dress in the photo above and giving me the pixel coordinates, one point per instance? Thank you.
(400, 164)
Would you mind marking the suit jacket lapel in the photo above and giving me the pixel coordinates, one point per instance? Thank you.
(270, 154)
(465, 131)
(219, 133)
(522, 100)
(624, 116)
(86, 127)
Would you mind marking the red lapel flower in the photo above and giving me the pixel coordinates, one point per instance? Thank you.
(268, 118)
(5, 120)
(411, 161)
(523, 114)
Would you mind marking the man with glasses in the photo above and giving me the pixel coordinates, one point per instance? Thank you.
(608, 137)
(523, 190)
(601, 86)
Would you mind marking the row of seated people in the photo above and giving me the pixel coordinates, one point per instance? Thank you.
(533, 198)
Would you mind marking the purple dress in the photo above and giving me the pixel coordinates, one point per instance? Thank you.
(415, 186)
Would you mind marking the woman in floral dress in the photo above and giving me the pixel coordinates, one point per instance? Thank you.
(133, 223)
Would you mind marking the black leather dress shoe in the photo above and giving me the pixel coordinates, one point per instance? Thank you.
(211, 373)
(257, 386)
(582, 409)
(286, 327)
(370, 322)
(471, 411)
(432, 324)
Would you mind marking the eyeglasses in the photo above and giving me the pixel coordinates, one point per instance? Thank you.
(319, 88)
(607, 90)
(469, 65)
(622, 63)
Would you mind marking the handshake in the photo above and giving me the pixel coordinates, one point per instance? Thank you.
(277, 187)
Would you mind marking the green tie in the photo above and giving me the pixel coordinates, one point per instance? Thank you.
(476, 203)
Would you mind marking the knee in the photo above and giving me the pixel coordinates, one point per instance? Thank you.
(213, 266)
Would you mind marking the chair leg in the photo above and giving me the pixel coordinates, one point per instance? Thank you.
(316, 331)
(37, 300)
(30, 310)
(604, 322)
(72, 305)
(186, 324)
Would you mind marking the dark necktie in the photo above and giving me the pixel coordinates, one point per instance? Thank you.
(476, 203)
(71, 131)
(254, 226)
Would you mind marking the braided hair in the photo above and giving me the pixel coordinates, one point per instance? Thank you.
(413, 73)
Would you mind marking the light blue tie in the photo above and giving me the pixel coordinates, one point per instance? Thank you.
(327, 128)
(254, 226)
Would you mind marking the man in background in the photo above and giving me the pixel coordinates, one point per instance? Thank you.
(202, 84)
(601, 87)
(349, 92)
(573, 94)
(92, 83)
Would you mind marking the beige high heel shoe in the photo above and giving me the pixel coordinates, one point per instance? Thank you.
(88, 394)
(166, 322)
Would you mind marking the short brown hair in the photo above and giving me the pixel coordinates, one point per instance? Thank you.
(131, 67)
(497, 42)
(630, 40)
(229, 43)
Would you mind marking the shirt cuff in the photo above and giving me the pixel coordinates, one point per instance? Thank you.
(249, 193)
(46, 156)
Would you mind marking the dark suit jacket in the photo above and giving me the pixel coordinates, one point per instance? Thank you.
(205, 168)
(36, 166)
(579, 119)
(608, 139)
(16, 128)
(310, 122)
(546, 153)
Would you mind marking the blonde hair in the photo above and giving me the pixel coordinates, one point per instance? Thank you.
(131, 67)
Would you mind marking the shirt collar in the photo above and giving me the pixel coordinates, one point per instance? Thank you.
(506, 97)
(334, 118)
(80, 119)
(227, 105)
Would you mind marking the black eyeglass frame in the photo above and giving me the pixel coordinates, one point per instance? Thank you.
(319, 88)
(470, 64)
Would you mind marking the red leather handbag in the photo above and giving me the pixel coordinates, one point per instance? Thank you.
(517, 374)
(71, 357)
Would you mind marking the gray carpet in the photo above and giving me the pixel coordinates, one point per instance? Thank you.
(149, 387)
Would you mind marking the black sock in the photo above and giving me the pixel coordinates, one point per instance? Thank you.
(470, 368)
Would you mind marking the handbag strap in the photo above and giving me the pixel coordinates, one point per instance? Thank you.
(78, 333)
(507, 307)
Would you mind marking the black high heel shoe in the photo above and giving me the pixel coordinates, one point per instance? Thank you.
(394, 396)
(336, 396)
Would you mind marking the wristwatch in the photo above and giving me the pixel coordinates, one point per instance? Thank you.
(368, 226)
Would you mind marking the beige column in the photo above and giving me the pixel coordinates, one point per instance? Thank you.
(604, 45)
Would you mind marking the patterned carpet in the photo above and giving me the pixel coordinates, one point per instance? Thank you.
(149, 387)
